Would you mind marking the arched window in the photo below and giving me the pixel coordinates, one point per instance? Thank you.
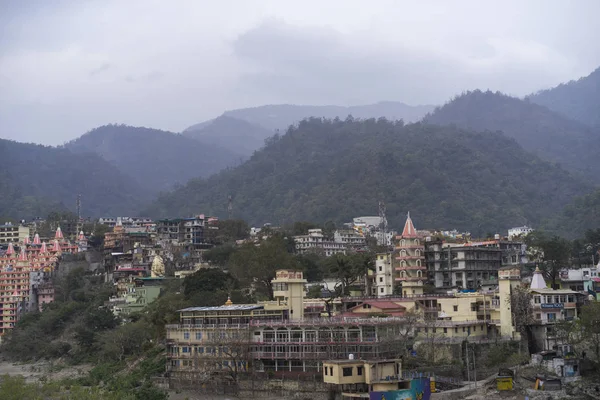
(402, 274)
(403, 242)
(418, 253)
(418, 263)
(419, 274)
(417, 242)
(403, 263)
(403, 253)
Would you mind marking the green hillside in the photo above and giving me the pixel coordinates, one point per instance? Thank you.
(578, 100)
(541, 131)
(38, 179)
(334, 169)
(156, 159)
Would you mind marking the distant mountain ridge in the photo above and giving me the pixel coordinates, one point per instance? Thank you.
(544, 132)
(245, 130)
(157, 160)
(337, 169)
(37, 179)
(578, 100)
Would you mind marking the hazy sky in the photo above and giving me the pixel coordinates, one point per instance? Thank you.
(67, 66)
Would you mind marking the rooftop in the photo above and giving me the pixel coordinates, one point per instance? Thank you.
(234, 307)
(554, 291)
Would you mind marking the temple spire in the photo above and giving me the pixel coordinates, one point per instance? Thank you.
(23, 254)
(59, 234)
(27, 240)
(11, 250)
(409, 229)
(36, 239)
(56, 247)
(44, 248)
(538, 282)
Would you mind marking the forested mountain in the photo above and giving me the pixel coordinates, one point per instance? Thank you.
(281, 116)
(156, 159)
(244, 130)
(538, 129)
(333, 169)
(35, 180)
(235, 135)
(579, 215)
(578, 100)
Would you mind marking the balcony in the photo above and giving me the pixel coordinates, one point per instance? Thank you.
(409, 257)
(414, 279)
(411, 268)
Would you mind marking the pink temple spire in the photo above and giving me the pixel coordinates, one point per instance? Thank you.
(59, 234)
(11, 250)
(15, 293)
(43, 249)
(27, 240)
(81, 237)
(36, 239)
(23, 254)
(56, 247)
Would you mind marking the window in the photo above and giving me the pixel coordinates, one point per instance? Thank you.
(455, 330)
(325, 369)
(536, 299)
(185, 349)
(538, 316)
(380, 279)
(198, 335)
(186, 335)
(463, 328)
(551, 316)
(347, 371)
(380, 268)
(359, 371)
(445, 330)
(455, 308)
(331, 371)
(381, 290)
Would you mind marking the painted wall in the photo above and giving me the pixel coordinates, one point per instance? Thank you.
(419, 390)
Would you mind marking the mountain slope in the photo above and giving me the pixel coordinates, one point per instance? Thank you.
(236, 135)
(539, 130)
(281, 116)
(245, 130)
(337, 170)
(579, 215)
(37, 179)
(578, 100)
(156, 159)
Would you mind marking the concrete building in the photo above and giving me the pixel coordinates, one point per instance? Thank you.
(349, 238)
(409, 260)
(13, 233)
(316, 241)
(461, 266)
(520, 231)
(383, 284)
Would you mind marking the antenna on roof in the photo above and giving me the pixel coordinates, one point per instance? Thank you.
(229, 207)
(383, 225)
(79, 224)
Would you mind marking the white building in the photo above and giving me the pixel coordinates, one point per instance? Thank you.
(315, 241)
(384, 275)
(519, 231)
(349, 237)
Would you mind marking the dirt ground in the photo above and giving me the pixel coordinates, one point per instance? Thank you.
(33, 372)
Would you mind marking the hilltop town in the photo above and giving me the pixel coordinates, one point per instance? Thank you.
(215, 304)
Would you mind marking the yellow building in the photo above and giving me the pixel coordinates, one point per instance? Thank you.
(359, 377)
(288, 289)
(11, 233)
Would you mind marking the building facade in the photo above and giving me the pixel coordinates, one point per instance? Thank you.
(409, 261)
(13, 233)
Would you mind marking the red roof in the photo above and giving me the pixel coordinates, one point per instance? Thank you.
(409, 229)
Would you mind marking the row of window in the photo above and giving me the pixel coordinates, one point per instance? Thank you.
(554, 299)
(467, 329)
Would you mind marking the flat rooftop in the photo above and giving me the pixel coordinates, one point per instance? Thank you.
(234, 307)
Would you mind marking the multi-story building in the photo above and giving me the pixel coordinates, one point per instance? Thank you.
(519, 232)
(137, 222)
(274, 336)
(409, 260)
(316, 241)
(349, 237)
(461, 266)
(13, 233)
(192, 235)
(383, 284)
(24, 276)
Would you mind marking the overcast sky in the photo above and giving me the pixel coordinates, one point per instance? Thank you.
(67, 66)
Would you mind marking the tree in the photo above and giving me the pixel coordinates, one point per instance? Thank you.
(522, 312)
(549, 253)
(232, 348)
(256, 263)
(231, 230)
(588, 327)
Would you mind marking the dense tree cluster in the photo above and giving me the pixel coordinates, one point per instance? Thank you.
(36, 180)
(334, 170)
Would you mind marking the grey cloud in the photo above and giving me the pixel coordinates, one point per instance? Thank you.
(312, 65)
(102, 68)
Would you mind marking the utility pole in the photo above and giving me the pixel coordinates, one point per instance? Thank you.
(79, 224)
(474, 368)
(467, 360)
(229, 207)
